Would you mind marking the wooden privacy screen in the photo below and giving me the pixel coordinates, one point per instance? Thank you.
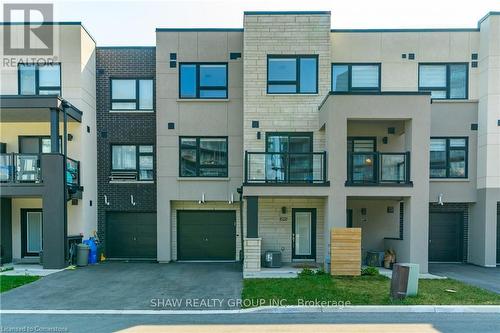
(345, 251)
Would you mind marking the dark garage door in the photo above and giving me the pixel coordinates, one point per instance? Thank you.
(206, 235)
(446, 237)
(131, 235)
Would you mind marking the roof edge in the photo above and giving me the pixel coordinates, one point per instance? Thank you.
(199, 29)
(409, 30)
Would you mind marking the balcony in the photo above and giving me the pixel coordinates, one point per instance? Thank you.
(378, 169)
(263, 168)
(27, 168)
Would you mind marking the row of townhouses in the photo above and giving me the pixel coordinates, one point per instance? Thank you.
(222, 144)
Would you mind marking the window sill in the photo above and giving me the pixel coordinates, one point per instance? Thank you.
(211, 100)
(132, 111)
(131, 182)
(293, 94)
(454, 100)
(224, 179)
(462, 180)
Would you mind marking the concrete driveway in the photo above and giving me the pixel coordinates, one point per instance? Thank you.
(483, 277)
(135, 285)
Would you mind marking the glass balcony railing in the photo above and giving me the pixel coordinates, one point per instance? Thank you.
(372, 168)
(285, 168)
(27, 168)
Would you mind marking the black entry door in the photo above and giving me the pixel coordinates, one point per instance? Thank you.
(206, 235)
(446, 237)
(303, 233)
(131, 235)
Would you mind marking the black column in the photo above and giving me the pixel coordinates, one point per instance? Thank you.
(252, 217)
(54, 130)
(54, 211)
(6, 230)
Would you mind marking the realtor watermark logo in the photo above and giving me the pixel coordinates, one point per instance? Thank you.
(37, 37)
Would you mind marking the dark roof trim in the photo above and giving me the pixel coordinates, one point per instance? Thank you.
(199, 29)
(485, 17)
(42, 102)
(371, 93)
(327, 12)
(409, 30)
(52, 23)
(126, 47)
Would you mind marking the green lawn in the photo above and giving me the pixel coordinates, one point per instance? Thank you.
(362, 290)
(11, 282)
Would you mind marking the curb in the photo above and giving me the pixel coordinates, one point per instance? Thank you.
(281, 310)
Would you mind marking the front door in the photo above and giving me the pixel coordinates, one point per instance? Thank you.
(31, 232)
(303, 233)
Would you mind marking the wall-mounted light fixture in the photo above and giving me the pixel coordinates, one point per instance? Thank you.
(283, 210)
(363, 211)
(231, 199)
(440, 199)
(132, 200)
(106, 202)
(202, 201)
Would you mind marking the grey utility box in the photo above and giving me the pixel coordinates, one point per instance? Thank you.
(272, 259)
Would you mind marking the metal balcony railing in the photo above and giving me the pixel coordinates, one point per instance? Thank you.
(285, 168)
(375, 168)
(27, 168)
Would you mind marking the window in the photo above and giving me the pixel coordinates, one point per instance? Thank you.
(36, 144)
(355, 77)
(132, 94)
(361, 144)
(292, 74)
(39, 79)
(448, 157)
(135, 160)
(203, 157)
(203, 80)
(444, 81)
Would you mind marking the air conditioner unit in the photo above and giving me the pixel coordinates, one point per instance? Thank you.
(272, 259)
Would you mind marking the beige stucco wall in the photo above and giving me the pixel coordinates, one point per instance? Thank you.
(74, 48)
(377, 224)
(195, 118)
(277, 235)
(191, 205)
(400, 74)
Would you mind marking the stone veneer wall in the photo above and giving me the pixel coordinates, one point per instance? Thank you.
(288, 35)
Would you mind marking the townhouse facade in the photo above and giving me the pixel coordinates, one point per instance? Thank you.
(223, 144)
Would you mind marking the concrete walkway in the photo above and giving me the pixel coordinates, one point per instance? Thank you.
(483, 277)
(135, 286)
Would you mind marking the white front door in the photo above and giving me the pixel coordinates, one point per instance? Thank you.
(33, 232)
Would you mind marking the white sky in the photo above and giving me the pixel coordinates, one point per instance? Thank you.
(133, 22)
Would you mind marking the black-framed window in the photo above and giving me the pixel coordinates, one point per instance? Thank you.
(203, 157)
(132, 94)
(203, 80)
(34, 144)
(39, 79)
(133, 158)
(361, 144)
(444, 80)
(292, 74)
(449, 157)
(356, 77)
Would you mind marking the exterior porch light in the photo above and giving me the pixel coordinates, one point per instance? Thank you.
(106, 202)
(440, 199)
(202, 201)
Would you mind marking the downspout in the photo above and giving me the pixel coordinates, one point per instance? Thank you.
(240, 192)
(65, 153)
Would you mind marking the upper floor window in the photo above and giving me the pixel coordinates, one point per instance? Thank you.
(354, 77)
(203, 157)
(203, 80)
(444, 81)
(133, 162)
(37, 79)
(292, 74)
(131, 94)
(448, 157)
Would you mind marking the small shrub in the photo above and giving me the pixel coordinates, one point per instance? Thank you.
(370, 271)
(321, 272)
(306, 272)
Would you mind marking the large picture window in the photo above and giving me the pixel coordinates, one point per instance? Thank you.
(132, 160)
(355, 77)
(203, 80)
(203, 157)
(448, 157)
(444, 81)
(37, 79)
(292, 74)
(131, 94)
